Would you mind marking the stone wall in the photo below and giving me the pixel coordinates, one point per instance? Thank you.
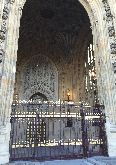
(102, 17)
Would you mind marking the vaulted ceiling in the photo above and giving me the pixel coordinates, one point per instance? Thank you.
(52, 25)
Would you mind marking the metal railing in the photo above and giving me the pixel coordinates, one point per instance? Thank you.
(57, 131)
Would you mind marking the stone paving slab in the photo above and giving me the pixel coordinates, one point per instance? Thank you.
(56, 162)
(90, 161)
(106, 160)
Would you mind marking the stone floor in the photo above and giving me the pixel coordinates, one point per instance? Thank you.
(99, 160)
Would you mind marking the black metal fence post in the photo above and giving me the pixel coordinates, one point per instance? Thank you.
(84, 133)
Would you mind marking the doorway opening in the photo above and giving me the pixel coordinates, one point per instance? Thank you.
(56, 55)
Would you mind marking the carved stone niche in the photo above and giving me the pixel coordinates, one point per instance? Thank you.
(2, 35)
(5, 12)
(1, 55)
(2, 32)
(39, 75)
(113, 48)
(109, 15)
(3, 28)
(114, 67)
(111, 31)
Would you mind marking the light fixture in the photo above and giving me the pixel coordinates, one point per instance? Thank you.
(93, 74)
(68, 95)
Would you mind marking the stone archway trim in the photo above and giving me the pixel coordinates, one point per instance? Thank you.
(42, 89)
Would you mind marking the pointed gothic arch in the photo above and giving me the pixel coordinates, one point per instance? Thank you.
(97, 12)
(103, 29)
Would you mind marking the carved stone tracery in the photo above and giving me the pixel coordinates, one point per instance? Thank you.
(40, 75)
(111, 30)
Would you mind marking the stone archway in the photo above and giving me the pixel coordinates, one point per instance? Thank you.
(103, 29)
(38, 97)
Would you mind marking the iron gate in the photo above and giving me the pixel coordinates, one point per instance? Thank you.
(50, 131)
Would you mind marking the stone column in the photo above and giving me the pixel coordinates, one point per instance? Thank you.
(109, 18)
(106, 83)
(8, 45)
(4, 123)
(4, 143)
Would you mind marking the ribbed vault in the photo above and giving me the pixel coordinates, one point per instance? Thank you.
(50, 25)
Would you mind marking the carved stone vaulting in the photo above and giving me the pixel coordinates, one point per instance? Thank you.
(54, 50)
